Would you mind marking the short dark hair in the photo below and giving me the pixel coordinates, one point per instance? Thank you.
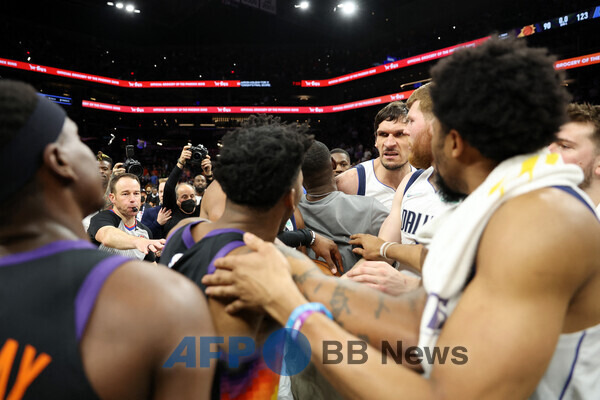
(586, 113)
(317, 160)
(337, 150)
(259, 161)
(395, 111)
(502, 97)
(17, 102)
(113, 181)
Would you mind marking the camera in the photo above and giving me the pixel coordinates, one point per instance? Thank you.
(199, 153)
(132, 166)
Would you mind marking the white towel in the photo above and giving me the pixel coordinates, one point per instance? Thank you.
(452, 238)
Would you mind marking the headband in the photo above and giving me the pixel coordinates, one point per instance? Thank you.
(23, 154)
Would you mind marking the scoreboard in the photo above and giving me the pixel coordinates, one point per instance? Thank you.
(559, 22)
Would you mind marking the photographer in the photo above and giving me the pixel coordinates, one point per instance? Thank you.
(180, 198)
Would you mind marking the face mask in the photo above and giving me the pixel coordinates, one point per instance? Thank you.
(188, 206)
(143, 199)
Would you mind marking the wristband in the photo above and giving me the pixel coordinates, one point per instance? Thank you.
(314, 237)
(384, 247)
(387, 248)
(301, 313)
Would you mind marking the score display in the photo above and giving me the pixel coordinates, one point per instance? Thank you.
(559, 22)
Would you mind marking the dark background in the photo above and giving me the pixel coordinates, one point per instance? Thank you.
(219, 39)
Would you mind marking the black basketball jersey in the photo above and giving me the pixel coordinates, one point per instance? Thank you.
(195, 260)
(46, 298)
(198, 260)
(178, 243)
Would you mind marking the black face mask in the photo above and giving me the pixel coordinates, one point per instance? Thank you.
(143, 199)
(188, 206)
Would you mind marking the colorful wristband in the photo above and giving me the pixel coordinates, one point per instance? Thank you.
(301, 313)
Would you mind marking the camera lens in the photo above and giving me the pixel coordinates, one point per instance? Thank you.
(136, 170)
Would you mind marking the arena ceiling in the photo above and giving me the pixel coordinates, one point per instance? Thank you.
(197, 22)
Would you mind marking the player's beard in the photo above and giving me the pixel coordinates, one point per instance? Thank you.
(447, 194)
(393, 166)
(420, 155)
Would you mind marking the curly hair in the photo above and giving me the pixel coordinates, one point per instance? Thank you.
(395, 111)
(260, 160)
(502, 97)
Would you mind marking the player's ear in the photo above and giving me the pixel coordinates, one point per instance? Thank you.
(289, 199)
(455, 142)
(56, 160)
(596, 167)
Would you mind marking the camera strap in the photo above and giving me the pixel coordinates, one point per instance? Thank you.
(23, 154)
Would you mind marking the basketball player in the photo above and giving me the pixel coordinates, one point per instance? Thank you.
(415, 203)
(262, 148)
(380, 177)
(78, 323)
(578, 142)
(512, 273)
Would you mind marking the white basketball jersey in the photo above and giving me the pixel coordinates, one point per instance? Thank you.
(372, 187)
(420, 204)
(574, 372)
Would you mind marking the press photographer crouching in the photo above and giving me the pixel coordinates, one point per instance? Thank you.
(117, 230)
(180, 198)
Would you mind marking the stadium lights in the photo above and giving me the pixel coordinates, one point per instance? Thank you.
(129, 7)
(347, 7)
(303, 5)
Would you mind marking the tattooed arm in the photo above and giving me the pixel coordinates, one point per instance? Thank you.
(367, 313)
